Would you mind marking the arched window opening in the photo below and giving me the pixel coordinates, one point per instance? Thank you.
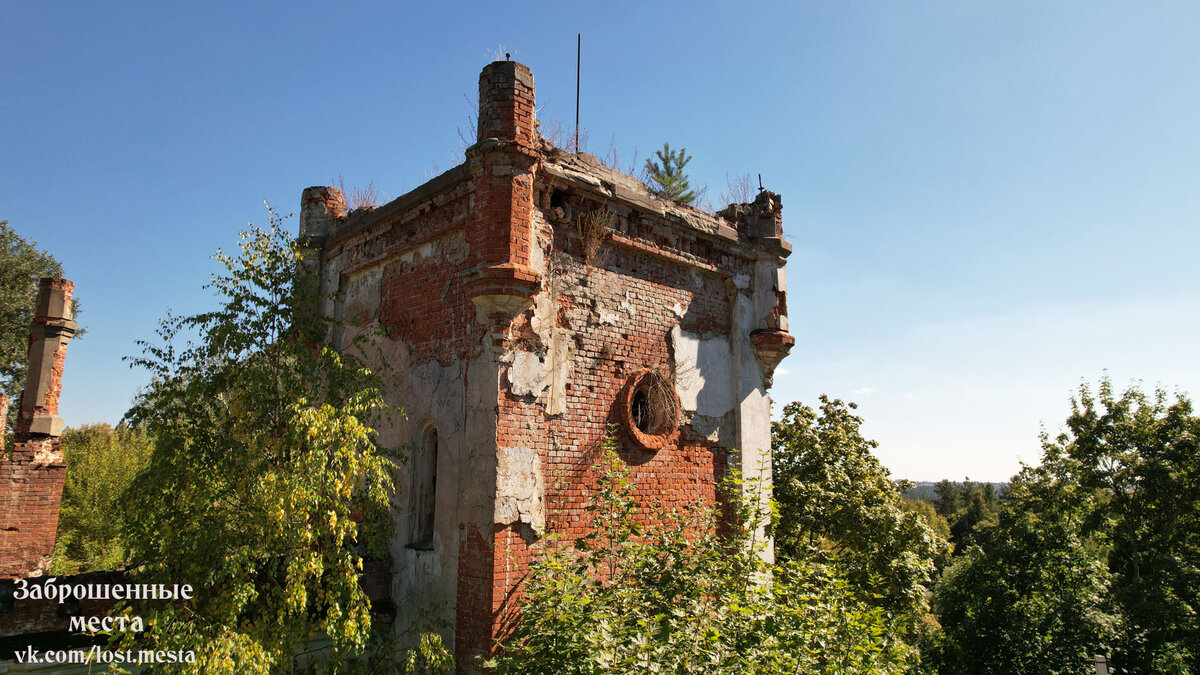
(424, 491)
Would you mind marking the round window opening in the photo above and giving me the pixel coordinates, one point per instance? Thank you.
(650, 409)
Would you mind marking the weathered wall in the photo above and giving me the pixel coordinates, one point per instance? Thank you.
(394, 278)
(31, 478)
(679, 301)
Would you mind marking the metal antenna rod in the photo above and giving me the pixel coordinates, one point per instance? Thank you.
(578, 59)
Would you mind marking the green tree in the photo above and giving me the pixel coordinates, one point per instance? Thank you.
(1030, 597)
(1096, 548)
(935, 521)
(21, 266)
(980, 507)
(949, 497)
(1134, 459)
(966, 506)
(838, 505)
(265, 460)
(677, 597)
(103, 462)
(667, 174)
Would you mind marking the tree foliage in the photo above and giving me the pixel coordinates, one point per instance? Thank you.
(935, 521)
(1029, 597)
(265, 456)
(965, 505)
(838, 505)
(1134, 461)
(678, 597)
(103, 462)
(667, 174)
(1096, 548)
(22, 264)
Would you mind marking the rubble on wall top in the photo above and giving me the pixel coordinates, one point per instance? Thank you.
(585, 170)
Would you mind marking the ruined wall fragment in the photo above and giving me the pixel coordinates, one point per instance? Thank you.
(31, 477)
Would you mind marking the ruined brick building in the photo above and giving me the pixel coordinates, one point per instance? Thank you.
(531, 297)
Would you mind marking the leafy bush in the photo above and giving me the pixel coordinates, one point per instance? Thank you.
(266, 460)
(676, 596)
(101, 462)
(838, 506)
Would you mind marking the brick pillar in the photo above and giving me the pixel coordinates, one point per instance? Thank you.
(321, 208)
(48, 337)
(501, 284)
(31, 480)
(3, 422)
(506, 103)
(770, 336)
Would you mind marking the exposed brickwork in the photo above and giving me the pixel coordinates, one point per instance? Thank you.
(521, 341)
(31, 478)
(476, 606)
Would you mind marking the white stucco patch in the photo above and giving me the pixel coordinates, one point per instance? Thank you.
(363, 293)
(542, 322)
(527, 374)
(704, 373)
(520, 488)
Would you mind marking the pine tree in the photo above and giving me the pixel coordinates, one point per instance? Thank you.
(667, 174)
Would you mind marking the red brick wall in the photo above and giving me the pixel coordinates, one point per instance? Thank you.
(30, 496)
(684, 472)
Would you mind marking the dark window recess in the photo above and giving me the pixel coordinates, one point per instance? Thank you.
(649, 410)
(424, 492)
(641, 411)
(652, 406)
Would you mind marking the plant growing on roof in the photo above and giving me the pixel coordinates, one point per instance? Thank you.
(667, 176)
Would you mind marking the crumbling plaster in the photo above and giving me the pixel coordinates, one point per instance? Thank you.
(453, 393)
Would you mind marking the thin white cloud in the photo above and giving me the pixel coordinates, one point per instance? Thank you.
(865, 390)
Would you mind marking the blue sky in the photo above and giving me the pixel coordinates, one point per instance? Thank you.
(989, 202)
